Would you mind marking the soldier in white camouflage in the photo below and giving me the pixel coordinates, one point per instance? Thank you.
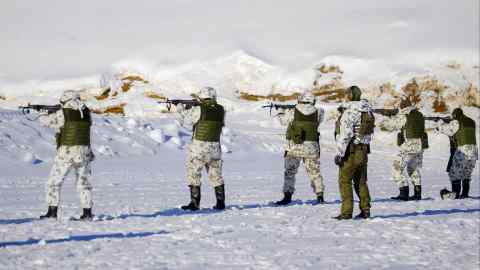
(204, 151)
(74, 153)
(461, 131)
(412, 141)
(302, 144)
(353, 134)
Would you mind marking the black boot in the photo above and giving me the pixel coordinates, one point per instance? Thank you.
(51, 212)
(220, 195)
(456, 187)
(195, 195)
(342, 217)
(465, 188)
(287, 198)
(403, 196)
(320, 199)
(363, 214)
(417, 195)
(87, 214)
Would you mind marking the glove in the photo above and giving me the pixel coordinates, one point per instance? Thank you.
(338, 160)
(91, 156)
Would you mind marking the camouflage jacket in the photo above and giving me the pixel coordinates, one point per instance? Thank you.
(396, 123)
(308, 148)
(449, 129)
(350, 124)
(188, 118)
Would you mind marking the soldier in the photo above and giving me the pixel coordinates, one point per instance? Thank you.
(73, 124)
(356, 127)
(411, 140)
(462, 133)
(302, 145)
(204, 151)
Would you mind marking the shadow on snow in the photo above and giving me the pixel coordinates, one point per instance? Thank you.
(78, 238)
(429, 213)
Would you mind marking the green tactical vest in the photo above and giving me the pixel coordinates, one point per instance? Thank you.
(466, 132)
(209, 127)
(415, 126)
(303, 128)
(76, 130)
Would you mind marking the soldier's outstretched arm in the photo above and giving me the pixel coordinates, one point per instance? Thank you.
(188, 118)
(448, 129)
(53, 120)
(285, 116)
(395, 123)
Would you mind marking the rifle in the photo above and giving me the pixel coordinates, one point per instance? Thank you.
(386, 112)
(278, 106)
(189, 103)
(49, 109)
(446, 119)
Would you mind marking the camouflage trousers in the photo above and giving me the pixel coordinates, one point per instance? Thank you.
(195, 165)
(462, 166)
(410, 165)
(312, 166)
(64, 163)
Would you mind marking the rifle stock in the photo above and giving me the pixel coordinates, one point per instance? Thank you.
(278, 106)
(386, 112)
(189, 103)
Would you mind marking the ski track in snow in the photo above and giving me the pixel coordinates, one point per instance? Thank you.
(138, 190)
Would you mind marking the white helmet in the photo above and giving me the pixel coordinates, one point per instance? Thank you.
(307, 97)
(207, 92)
(69, 95)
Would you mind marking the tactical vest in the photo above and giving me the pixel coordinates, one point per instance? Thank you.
(76, 130)
(367, 124)
(303, 127)
(466, 132)
(209, 127)
(415, 126)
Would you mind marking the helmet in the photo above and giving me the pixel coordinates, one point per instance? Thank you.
(404, 103)
(307, 97)
(207, 92)
(457, 113)
(356, 92)
(69, 95)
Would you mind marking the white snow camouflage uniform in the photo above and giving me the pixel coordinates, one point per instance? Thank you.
(350, 125)
(410, 157)
(308, 151)
(68, 158)
(201, 154)
(465, 157)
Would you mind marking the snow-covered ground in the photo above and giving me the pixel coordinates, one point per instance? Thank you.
(139, 183)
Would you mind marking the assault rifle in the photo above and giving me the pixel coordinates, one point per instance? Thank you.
(386, 112)
(446, 119)
(278, 106)
(189, 103)
(49, 109)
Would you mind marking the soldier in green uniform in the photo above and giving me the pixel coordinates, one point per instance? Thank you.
(205, 150)
(355, 131)
(73, 124)
(463, 134)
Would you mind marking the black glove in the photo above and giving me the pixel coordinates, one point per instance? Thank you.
(338, 160)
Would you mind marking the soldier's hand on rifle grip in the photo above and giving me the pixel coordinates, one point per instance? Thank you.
(179, 107)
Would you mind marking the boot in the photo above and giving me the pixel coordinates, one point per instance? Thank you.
(51, 212)
(220, 195)
(417, 195)
(195, 195)
(465, 188)
(320, 199)
(363, 215)
(342, 217)
(456, 187)
(403, 196)
(87, 214)
(286, 199)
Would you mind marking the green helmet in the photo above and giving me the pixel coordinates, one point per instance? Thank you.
(356, 92)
